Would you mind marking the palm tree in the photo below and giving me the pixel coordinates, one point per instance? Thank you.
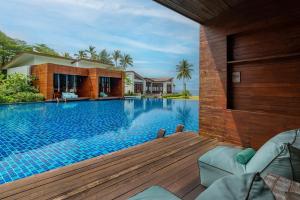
(183, 114)
(66, 55)
(116, 56)
(43, 48)
(104, 57)
(126, 61)
(92, 52)
(184, 70)
(80, 55)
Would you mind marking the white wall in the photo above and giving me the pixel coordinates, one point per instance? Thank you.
(165, 88)
(22, 70)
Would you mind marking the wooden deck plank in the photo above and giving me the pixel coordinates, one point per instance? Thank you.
(54, 175)
(194, 192)
(170, 162)
(150, 174)
(170, 176)
(99, 174)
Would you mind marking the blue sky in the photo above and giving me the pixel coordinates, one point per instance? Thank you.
(156, 37)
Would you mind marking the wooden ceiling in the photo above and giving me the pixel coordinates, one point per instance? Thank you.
(199, 10)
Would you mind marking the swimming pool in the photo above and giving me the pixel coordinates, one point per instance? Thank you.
(38, 137)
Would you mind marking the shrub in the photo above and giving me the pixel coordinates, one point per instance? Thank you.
(18, 88)
(27, 97)
(131, 94)
(172, 95)
(186, 93)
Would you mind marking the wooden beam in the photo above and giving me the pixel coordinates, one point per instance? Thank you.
(181, 10)
(200, 10)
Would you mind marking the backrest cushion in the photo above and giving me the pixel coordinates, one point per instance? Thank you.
(246, 186)
(273, 156)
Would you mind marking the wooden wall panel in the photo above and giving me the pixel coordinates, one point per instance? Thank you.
(90, 87)
(267, 101)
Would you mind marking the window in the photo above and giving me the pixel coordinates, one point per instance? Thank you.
(104, 85)
(169, 88)
(138, 88)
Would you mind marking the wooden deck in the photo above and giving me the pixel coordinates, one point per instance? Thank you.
(169, 162)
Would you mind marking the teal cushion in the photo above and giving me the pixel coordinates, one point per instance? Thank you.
(155, 193)
(69, 95)
(222, 157)
(236, 187)
(102, 94)
(245, 155)
(273, 156)
(217, 163)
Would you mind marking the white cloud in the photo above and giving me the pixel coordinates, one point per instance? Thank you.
(134, 8)
(137, 44)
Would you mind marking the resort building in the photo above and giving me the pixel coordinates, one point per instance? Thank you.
(143, 85)
(56, 75)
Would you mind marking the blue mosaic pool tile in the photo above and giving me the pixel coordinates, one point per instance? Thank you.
(40, 137)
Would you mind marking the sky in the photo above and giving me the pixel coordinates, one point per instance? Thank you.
(156, 37)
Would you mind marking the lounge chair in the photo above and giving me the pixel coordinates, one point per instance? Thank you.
(103, 94)
(273, 157)
(69, 95)
(227, 179)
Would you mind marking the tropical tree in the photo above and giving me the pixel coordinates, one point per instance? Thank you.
(116, 56)
(104, 57)
(66, 55)
(10, 47)
(43, 48)
(128, 81)
(92, 52)
(183, 114)
(81, 54)
(184, 70)
(18, 88)
(125, 61)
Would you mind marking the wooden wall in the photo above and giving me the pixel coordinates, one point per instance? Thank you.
(261, 40)
(95, 73)
(90, 87)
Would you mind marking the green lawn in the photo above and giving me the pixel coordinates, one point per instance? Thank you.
(183, 97)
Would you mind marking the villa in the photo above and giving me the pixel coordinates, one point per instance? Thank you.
(144, 85)
(247, 139)
(56, 75)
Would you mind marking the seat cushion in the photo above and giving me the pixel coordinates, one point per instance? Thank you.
(155, 193)
(246, 186)
(273, 156)
(219, 162)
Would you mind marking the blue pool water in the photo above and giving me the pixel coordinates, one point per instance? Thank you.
(35, 138)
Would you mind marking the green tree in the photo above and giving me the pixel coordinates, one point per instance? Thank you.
(81, 54)
(125, 61)
(92, 52)
(128, 81)
(18, 88)
(43, 48)
(104, 57)
(184, 70)
(116, 56)
(10, 47)
(66, 55)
